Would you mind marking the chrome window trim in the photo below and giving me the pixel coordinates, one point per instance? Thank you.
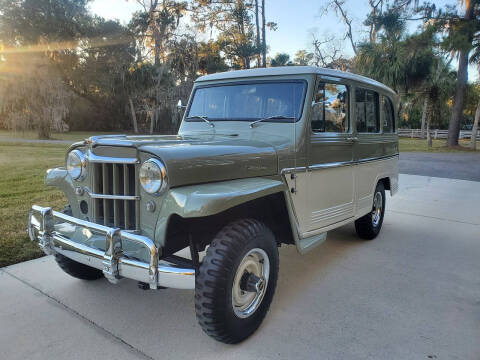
(338, 81)
(330, 78)
(247, 82)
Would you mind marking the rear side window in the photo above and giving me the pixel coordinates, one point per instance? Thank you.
(366, 110)
(389, 119)
(330, 108)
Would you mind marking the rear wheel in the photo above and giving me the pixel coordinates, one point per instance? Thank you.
(369, 226)
(236, 281)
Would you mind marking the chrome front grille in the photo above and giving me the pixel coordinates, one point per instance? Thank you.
(115, 201)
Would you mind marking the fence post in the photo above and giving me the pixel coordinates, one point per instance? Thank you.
(436, 134)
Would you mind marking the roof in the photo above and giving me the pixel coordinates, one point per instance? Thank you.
(291, 70)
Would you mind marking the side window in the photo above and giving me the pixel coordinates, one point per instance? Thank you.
(366, 110)
(389, 119)
(330, 108)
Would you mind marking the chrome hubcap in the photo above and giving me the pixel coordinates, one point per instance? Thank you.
(377, 208)
(250, 283)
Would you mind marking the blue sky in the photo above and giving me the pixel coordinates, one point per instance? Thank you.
(296, 20)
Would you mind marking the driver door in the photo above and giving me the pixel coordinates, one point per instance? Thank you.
(330, 178)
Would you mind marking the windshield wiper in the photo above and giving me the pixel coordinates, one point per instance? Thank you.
(202, 117)
(270, 118)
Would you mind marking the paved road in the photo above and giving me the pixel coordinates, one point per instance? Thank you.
(35, 141)
(465, 166)
(412, 293)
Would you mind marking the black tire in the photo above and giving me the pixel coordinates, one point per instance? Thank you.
(73, 268)
(367, 228)
(76, 269)
(214, 283)
(67, 210)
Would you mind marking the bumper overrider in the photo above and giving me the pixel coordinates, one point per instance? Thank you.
(114, 264)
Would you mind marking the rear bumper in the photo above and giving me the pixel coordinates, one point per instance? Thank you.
(114, 264)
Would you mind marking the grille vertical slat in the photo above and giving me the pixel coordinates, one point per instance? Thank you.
(137, 203)
(116, 191)
(126, 188)
(97, 181)
(106, 205)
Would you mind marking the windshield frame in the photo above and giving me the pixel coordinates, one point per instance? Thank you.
(249, 82)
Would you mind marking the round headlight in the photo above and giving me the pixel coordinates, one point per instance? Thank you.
(153, 176)
(76, 165)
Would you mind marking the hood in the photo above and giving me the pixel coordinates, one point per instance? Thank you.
(201, 158)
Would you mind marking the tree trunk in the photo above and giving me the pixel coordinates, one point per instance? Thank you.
(424, 117)
(134, 116)
(348, 22)
(152, 120)
(462, 78)
(458, 100)
(257, 24)
(429, 135)
(264, 41)
(473, 140)
(428, 116)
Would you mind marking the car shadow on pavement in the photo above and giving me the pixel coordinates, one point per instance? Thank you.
(301, 273)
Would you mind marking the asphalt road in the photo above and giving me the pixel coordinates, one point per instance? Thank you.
(35, 141)
(412, 293)
(465, 166)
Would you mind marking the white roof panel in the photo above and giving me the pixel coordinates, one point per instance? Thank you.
(291, 70)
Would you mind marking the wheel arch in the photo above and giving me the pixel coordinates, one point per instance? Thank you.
(389, 181)
(269, 207)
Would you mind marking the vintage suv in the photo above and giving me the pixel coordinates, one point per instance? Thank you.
(263, 157)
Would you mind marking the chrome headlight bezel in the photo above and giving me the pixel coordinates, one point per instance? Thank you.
(153, 167)
(76, 165)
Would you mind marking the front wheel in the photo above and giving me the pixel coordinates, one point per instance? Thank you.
(76, 269)
(369, 226)
(73, 268)
(236, 281)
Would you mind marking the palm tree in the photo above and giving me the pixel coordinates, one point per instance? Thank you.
(460, 40)
(400, 61)
(436, 88)
(281, 59)
(475, 59)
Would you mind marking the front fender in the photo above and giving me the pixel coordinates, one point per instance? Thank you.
(59, 178)
(212, 198)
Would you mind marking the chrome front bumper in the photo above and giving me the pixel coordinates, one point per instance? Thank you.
(113, 263)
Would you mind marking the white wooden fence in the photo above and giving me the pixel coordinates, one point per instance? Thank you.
(436, 133)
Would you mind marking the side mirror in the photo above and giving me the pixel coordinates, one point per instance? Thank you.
(180, 106)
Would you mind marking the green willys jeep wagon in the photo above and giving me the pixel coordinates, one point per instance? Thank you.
(263, 157)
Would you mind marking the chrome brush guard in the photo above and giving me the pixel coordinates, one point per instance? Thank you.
(114, 264)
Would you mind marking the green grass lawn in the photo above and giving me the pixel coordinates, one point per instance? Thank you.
(407, 144)
(22, 172)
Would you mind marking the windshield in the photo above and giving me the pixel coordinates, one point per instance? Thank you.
(250, 101)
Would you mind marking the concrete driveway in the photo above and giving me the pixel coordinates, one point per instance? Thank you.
(412, 293)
